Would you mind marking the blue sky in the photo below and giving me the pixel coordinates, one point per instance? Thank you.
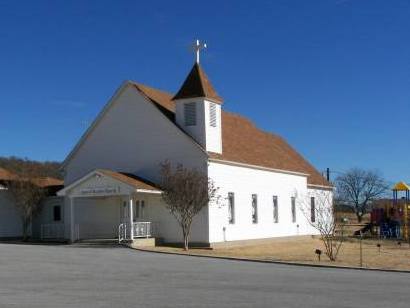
(331, 76)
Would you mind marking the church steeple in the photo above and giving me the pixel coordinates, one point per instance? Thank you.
(198, 108)
(197, 84)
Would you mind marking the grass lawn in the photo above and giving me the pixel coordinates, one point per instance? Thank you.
(301, 249)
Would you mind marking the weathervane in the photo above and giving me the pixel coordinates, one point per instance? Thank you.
(197, 46)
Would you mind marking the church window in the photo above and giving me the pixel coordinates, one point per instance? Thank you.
(254, 209)
(231, 208)
(293, 205)
(312, 209)
(275, 209)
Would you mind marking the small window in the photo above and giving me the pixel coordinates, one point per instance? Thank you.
(231, 208)
(190, 114)
(275, 209)
(136, 211)
(212, 114)
(254, 209)
(57, 213)
(293, 204)
(125, 209)
(139, 209)
(142, 209)
(312, 209)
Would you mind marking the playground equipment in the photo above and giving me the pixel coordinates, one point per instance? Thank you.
(393, 216)
(403, 206)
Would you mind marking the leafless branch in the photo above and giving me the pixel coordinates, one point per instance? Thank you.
(358, 188)
(324, 220)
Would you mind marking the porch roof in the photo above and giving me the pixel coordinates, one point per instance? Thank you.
(130, 179)
(109, 182)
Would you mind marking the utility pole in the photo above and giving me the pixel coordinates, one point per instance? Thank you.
(361, 249)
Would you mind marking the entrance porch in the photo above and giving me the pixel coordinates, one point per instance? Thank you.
(105, 204)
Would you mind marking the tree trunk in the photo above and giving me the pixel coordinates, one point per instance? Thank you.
(186, 232)
(186, 243)
(186, 239)
(359, 218)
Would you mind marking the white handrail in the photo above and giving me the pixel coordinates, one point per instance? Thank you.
(140, 229)
(122, 232)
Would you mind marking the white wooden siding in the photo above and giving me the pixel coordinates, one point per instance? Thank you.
(133, 136)
(46, 216)
(10, 222)
(265, 184)
(213, 133)
(210, 137)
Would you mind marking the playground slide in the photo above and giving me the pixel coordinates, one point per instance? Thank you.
(366, 228)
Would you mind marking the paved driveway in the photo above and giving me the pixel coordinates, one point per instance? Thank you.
(66, 276)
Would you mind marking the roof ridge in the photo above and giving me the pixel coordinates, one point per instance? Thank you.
(139, 84)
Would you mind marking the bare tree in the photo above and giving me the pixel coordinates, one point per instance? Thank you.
(186, 192)
(27, 197)
(317, 207)
(21, 165)
(358, 188)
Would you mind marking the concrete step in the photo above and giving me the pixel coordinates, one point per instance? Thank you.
(97, 243)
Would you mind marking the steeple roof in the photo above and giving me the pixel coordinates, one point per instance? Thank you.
(197, 84)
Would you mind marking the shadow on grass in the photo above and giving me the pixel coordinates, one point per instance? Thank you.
(192, 246)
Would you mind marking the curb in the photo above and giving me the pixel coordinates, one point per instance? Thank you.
(341, 267)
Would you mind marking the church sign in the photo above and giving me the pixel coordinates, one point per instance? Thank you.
(107, 190)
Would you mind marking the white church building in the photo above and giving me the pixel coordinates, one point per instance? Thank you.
(111, 175)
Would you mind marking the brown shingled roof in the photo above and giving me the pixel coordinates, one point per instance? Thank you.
(130, 179)
(197, 84)
(6, 175)
(47, 181)
(243, 142)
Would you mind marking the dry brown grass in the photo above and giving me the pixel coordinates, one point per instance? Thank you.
(301, 249)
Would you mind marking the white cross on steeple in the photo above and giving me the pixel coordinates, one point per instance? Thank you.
(197, 46)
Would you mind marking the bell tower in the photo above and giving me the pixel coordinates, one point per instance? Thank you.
(198, 107)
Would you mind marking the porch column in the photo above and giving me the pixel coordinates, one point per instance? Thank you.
(131, 202)
(72, 231)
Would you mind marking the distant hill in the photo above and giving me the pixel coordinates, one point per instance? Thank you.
(23, 166)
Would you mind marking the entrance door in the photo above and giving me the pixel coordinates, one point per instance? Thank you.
(139, 210)
(124, 212)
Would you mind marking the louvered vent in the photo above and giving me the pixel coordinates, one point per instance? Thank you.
(190, 114)
(212, 114)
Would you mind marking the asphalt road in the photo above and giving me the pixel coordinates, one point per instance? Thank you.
(66, 276)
